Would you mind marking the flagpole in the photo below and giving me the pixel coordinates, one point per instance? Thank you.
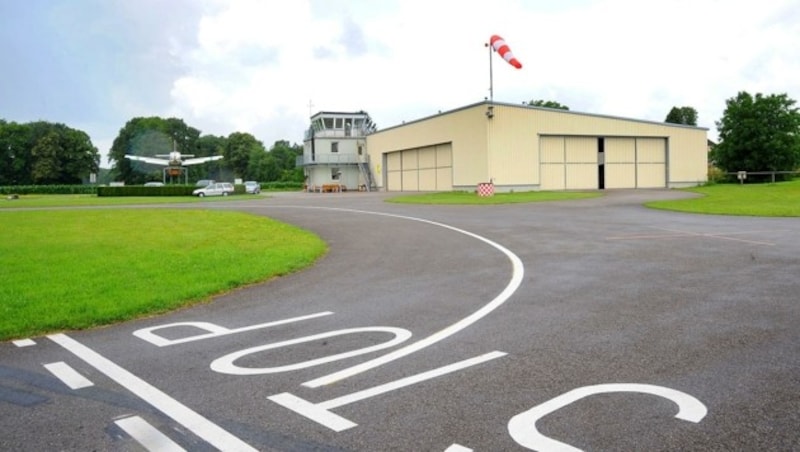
(491, 83)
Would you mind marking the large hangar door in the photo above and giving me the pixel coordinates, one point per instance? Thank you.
(651, 162)
(581, 163)
(620, 166)
(568, 163)
(394, 171)
(571, 163)
(636, 162)
(551, 163)
(424, 169)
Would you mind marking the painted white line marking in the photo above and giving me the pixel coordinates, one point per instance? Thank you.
(518, 271)
(458, 448)
(313, 411)
(522, 427)
(196, 423)
(213, 330)
(226, 364)
(408, 381)
(320, 412)
(675, 233)
(68, 375)
(147, 435)
(24, 342)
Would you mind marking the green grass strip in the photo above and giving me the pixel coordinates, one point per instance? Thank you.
(468, 198)
(780, 199)
(76, 269)
(94, 200)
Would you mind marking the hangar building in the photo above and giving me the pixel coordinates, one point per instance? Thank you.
(523, 148)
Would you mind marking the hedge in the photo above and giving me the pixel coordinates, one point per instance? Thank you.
(130, 190)
(140, 190)
(48, 189)
(281, 186)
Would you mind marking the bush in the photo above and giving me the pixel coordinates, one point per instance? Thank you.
(718, 176)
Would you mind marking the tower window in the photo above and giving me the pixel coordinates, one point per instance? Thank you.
(334, 146)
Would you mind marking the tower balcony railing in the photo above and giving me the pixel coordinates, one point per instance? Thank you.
(331, 159)
(336, 133)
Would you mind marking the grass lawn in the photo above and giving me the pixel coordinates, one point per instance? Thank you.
(94, 200)
(780, 199)
(457, 197)
(78, 268)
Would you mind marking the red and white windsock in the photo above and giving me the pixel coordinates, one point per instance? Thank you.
(499, 45)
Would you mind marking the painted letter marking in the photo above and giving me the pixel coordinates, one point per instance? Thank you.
(522, 427)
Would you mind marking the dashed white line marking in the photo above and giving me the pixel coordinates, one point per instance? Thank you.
(24, 342)
(68, 375)
(199, 425)
(320, 412)
(676, 234)
(147, 435)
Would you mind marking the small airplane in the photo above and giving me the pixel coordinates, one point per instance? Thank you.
(174, 158)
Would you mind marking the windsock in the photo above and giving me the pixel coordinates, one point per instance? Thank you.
(499, 45)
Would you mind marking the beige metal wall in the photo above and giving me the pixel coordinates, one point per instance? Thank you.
(459, 139)
(518, 146)
(512, 159)
(685, 160)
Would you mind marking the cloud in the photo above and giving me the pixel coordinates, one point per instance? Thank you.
(264, 67)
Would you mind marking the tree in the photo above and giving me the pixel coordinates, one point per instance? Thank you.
(45, 153)
(262, 167)
(285, 156)
(682, 115)
(238, 150)
(149, 136)
(45, 160)
(760, 133)
(547, 104)
(209, 145)
(15, 156)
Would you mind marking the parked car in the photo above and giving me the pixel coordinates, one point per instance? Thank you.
(204, 182)
(252, 187)
(154, 184)
(215, 189)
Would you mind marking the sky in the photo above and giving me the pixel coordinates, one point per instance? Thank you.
(263, 66)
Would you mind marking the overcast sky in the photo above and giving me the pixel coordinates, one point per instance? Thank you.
(262, 66)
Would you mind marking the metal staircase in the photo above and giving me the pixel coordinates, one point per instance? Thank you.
(363, 167)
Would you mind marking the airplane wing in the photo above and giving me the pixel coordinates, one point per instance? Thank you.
(154, 161)
(198, 160)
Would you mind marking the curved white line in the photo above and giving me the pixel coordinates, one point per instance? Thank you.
(518, 270)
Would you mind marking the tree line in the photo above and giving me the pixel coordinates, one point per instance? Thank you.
(245, 156)
(44, 153)
(756, 133)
